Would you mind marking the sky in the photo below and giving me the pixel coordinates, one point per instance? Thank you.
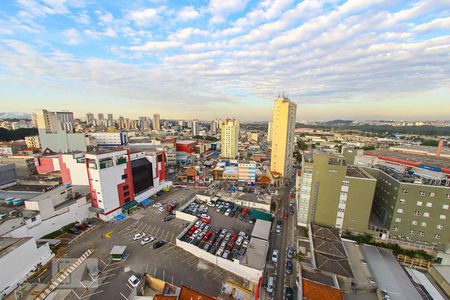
(205, 59)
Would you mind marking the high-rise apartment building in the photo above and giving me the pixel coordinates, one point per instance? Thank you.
(229, 139)
(331, 193)
(110, 120)
(269, 132)
(121, 122)
(101, 116)
(284, 114)
(90, 118)
(195, 128)
(53, 122)
(156, 122)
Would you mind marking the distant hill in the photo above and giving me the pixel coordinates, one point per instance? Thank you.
(14, 115)
(339, 122)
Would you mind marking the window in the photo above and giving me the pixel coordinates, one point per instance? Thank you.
(417, 212)
(426, 214)
(437, 236)
(445, 206)
(440, 226)
(398, 220)
(124, 176)
(404, 191)
(423, 224)
(411, 232)
(422, 193)
(442, 217)
(419, 203)
(421, 233)
(400, 210)
(126, 194)
(402, 201)
(414, 222)
(432, 194)
(429, 204)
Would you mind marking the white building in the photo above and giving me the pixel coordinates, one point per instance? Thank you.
(229, 139)
(18, 257)
(119, 138)
(247, 172)
(195, 128)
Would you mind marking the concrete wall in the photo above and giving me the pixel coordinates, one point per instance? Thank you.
(16, 264)
(62, 141)
(37, 227)
(440, 280)
(7, 174)
(230, 265)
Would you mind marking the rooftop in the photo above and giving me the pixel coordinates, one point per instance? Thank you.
(429, 160)
(318, 291)
(356, 172)
(255, 256)
(7, 244)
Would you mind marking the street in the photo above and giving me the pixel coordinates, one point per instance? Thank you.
(280, 242)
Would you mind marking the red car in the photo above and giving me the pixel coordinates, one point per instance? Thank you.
(192, 230)
(207, 236)
(285, 215)
(206, 220)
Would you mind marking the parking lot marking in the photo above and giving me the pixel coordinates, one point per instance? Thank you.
(167, 235)
(196, 261)
(167, 249)
(186, 259)
(123, 296)
(153, 229)
(156, 234)
(172, 238)
(154, 273)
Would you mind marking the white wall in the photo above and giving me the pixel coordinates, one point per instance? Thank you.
(78, 211)
(78, 171)
(62, 141)
(230, 265)
(16, 264)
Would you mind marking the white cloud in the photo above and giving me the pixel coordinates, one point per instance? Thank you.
(144, 17)
(188, 13)
(155, 46)
(108, 32)
(106, 18)
(220, 9)
(73, 36)
(186, 33)
(441, 23)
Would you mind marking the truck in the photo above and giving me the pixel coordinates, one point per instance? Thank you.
(171, 206)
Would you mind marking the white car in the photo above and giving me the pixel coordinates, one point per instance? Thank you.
(134, 281)
(138, 236)
(157, 205)
(161, 209)
(147, 240)
(275, 256)
(210, 204)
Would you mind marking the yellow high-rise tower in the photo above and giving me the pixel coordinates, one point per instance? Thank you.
(229, 139)
(283, 129)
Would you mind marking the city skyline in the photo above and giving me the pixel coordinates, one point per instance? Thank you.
(335, 59)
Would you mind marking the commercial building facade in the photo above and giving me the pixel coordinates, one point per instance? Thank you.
(247, 172)
(331, 193)
(119, 138)
(32, 141)
(229, 139)
(413, 212)
(283, 139)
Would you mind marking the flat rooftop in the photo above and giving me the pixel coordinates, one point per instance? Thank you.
(356, 172)
(7, 245)
(82, 189)
(428, 160)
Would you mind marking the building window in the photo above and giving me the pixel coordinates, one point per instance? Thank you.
(437, 236)
(442, 217)
(124, 176)
(411, 232)
(400, 210)
(423, 224)
(445, 206)
(417, 212)
(440, 226)
(421, 233)
(432, 194)
(426, 214)
(402, 201)
(422, 193)
(414, 222)
(126, 194)
(404, 191)
(419, 203)
(398, 220)
(125, 187)
(429, 204)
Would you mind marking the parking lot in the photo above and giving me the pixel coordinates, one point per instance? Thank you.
(218, 231)
(169, 263)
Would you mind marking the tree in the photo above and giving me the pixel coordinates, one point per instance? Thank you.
(433, 143)
(302, 145)
(17, 134)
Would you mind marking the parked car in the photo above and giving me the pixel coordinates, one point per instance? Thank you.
(363, 261)
(290, 252)
(227, 212)
(207, 235)
(275, 256)
(133, 281)
(147, 240)
(169, 218)
(279, 227)
(138, 236)
(289, 267)
(239, 240)
(210, 204)
(245, 244)
(74, 231)
(270, 283)
(288, 293)
(157, 205)
(159, 244)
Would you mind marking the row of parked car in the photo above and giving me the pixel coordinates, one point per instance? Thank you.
(233, 210)
(222, 242)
